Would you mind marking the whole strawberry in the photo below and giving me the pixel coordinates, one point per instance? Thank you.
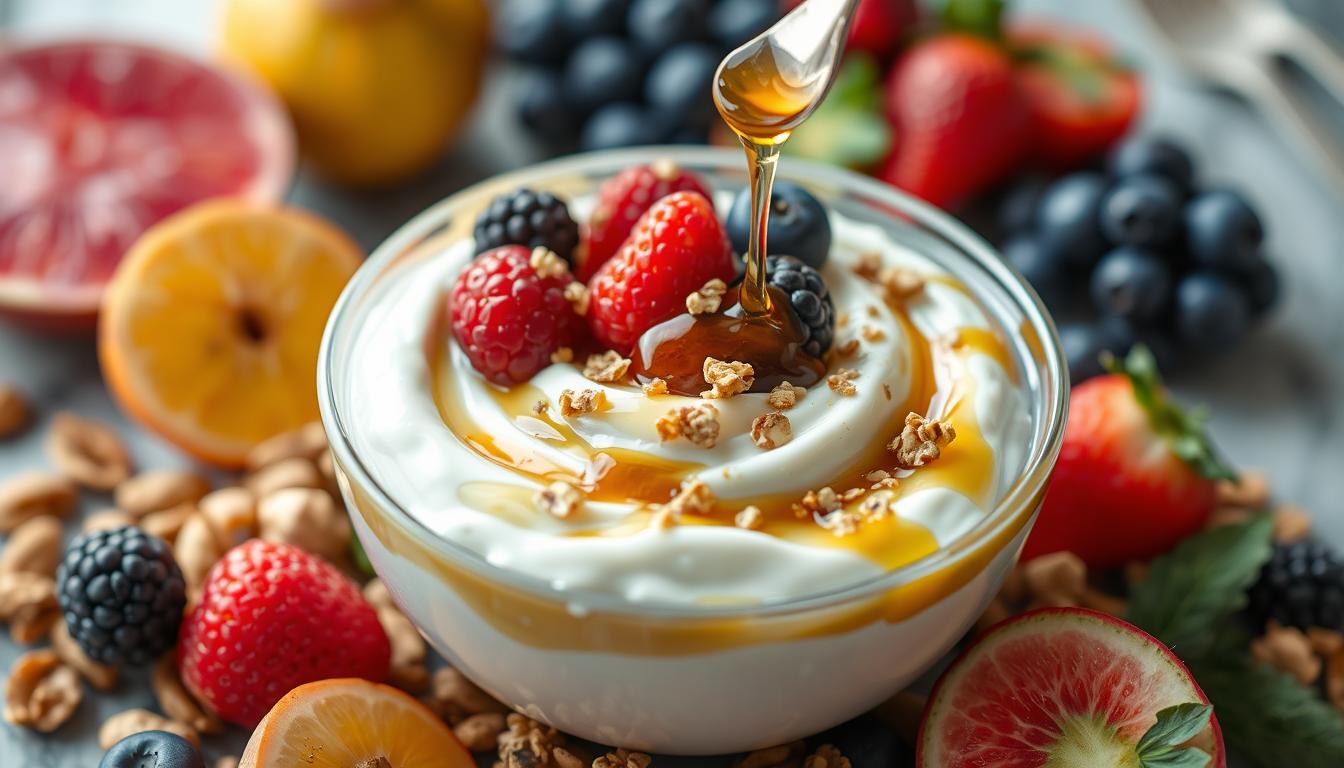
(509, 312)
(273, 617)
(622, 199)
(677, 246)
(1135, 475)
(961, 123)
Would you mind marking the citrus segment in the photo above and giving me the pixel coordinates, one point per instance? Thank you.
(98, 141)
(347, 722)
(211, 327)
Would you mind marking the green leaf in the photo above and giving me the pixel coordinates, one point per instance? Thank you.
(361, 559)
(848, 129)
(1175, 725)
(978, 17)
(1192, 589)
(1177, 758)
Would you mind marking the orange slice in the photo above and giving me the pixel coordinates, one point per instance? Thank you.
(211, 325)
(350, 722)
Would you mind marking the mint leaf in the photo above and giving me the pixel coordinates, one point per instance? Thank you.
(1177, 758)
(1190, 590)
(848, 129)
(1175, 726)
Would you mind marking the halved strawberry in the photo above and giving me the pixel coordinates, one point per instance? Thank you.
(621, 200)
(1135, 475)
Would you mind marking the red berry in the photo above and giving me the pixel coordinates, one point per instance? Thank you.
(273, 617)
(508, 318)
(677, 247)
(879, 25)
(625, 197)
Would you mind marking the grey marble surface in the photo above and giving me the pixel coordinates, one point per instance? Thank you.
(1278, 401)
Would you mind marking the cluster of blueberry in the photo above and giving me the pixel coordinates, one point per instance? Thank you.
(612, 73)
(1139, 254)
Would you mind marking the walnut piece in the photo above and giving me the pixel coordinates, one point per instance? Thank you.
(749, 517)
(693, 498)
(33, 547)
(547, 264)
(559, 499)
(123, 724)
(42, 692)
(480, 733)
(308, 441)
(606, 368)
(771, 430)
(15, 412)
(920, 441)
(28, 605)
(307, 518)
(31, 494)
(454, 698)
(1287, 650)
(772, 757)
(900, 283)
(577, 295)
(822, 502)
(623, 758)
(842, 381)
(655, 387)
(698, 423)
(707, 299)
(586, 401)
(529, 744)
(407, 668)
(848, 348)
(100, 676)
(159, 489)
(785, 396)
(174, 699)
(726, 378)
(872, 333)
(88, 452)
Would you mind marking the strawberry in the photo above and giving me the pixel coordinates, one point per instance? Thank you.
(960, 121)
(677, 246)
(879, 25)
(273, 617)
(1135, 475)
(622, 199)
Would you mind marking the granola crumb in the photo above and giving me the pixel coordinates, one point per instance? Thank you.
(840, 522)
(826, 756)
(726, 378)
(698, 423)
(749, 517)
(606, 368)
(586, 401)
(886, 390)
(873, 311)
(547, 264)
(576, 294)
(877, 476)
(655, 387)
(875, 507)
(868, 265)
(559, 499)
(848, 349)
(842, 381)
(562, 355)
(872, 333)
(623, 758)
(693, 498)
(529, 744)
(852, 494)
(771, 430)
(707, 299)
(785, 396)
(921, 441)
(823, 501)
(540, 407)
(900, 283)
(841, 320)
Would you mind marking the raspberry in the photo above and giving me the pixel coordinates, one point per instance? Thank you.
(273, 617)
(676, 247)
(625, 197)
(525, 217)
(508, 318)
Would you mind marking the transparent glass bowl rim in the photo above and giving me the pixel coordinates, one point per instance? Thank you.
(1046, 438)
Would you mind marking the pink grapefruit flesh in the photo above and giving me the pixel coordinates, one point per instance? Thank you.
(1056, 688)
(98, 141)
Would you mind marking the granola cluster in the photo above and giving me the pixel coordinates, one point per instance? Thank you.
(920, 441)
(771, 430)
(606, 368)
(842, 381)
(726, 378)
(698, 423)
(529, 744)
(559, 499)
(547, 264)
(585, 401)
(785, 396)
(706, 300)
(694, 497)
(898, 284)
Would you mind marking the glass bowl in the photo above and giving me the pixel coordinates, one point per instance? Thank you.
(697, 679)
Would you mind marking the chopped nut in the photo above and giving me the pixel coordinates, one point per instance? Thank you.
(132, 721)
(872, 333)
(32, 494)
(176, 702)
(106, 520)
(877, 476)
(707, 299)
(1251, 490)
(900, 283)
(606, 368)
(623, 758)
(694, 497)
(295, 472)
(308, 441)
(772, 757)
(231, 514)
(1291, 523)
(840, 522)
(655, 387)
(559, 499)
(921, 441)
(88, 452)
(100, 676)
(159, 489)
(995, 612)
(587, 401)
(529, 744)
(1325, 642)
(196, 550)
(868, 265)
(562, 355)
(480, 733)
(33, 547)
(785, 396)
(771, 430)
(454, 698)
(1100, 601)
(848, 348)
(577, 295)
(28, 604)
(826, 756)
(876, 507)
(15, 413)
(749, 517)
(41, 693)
(1287, 650)
(822, 501)
(547, 264)
(698, 423)
(380, 761)
(726, 379)
(306, 518)
(1057, 579)
(167, 523)
(842, 381)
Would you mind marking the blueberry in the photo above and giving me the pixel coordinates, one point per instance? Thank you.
(592, 18)
(1212, 312)
(1084, 344)
(734, 22)
(799, 226)
(1222, 230)
(603, 70)
(532, 31)
(657, 25)
(1143, 211)
(1157, 155)
(1124, 334)
(1042, 267)
(1131, 282)
(679, 83)
(1017, 207)
(623, 124)
(152, 749)
(1261, 281)
(543, 109)
(1067, 217)
(690, 135)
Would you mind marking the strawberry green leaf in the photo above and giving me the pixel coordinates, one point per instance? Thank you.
(1192, 589)
(1177, 758)
(978, 17)
(1174, 727)
(1183, 430)
(848, 129)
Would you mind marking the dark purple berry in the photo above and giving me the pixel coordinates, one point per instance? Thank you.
(809, 298)
(1142, 211)
(529, 218)
(1067, 218)
(1131, 283)
(1144, 155)
(1211, 311)
(1222, 231)
(799, 225)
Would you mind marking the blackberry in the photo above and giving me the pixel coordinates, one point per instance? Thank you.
(809, 298)
(122, 594)
(525, 217)
(1301, 586)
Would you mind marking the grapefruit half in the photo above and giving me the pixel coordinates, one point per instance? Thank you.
(1057, 688)
(101, 139)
